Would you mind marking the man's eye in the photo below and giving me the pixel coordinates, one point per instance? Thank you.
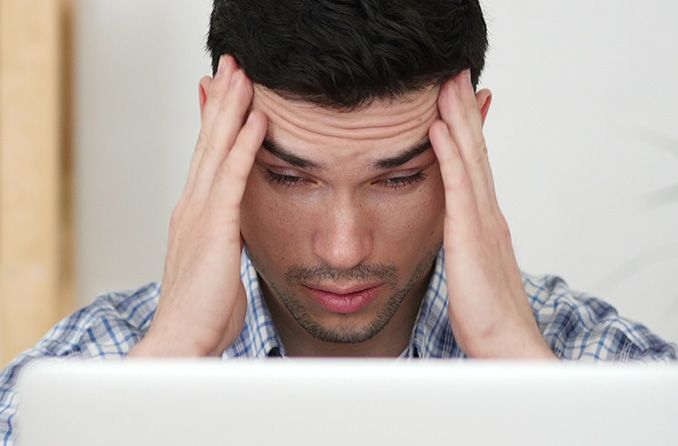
(392, 183)
(398, 182)
(284, 180)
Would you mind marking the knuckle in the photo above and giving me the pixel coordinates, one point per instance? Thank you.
(460, 182)
(208, 147)
(203, 136)
(224, 173)
(231, 181)
(479, 155)
(229, 173)
(482, 144)
(224, 177)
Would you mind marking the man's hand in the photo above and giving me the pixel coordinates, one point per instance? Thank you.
(202, 303)
(488, 308)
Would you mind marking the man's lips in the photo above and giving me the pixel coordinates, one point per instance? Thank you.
(344, 300)
(351, 289)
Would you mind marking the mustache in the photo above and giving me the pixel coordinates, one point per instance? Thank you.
(359, 273)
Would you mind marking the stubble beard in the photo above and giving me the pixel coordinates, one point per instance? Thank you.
(347, 333)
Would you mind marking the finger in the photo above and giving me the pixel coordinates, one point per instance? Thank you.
(228, 122)
(214, 91)
(472, 103)
(231, 114)
(217, 90)
(203, 88)
(470, 142)
(468, 98)
(460, 204)
(229, 184)
(483, 99)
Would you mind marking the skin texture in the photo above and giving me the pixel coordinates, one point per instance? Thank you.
(345, 224)
(342, 223)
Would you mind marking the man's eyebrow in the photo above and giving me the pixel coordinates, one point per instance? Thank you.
(402, 158)
(383, 164)
(289, 157)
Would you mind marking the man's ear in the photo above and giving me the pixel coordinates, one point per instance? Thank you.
(203, 88)
(484, 98)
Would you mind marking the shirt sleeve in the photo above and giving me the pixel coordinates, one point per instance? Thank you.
(579, 326)
(106, 329)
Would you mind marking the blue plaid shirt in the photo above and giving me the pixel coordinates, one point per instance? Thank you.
(576, 325)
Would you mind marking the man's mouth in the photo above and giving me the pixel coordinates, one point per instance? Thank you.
(343, 300)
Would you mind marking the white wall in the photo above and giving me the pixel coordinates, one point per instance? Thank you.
(582, 137)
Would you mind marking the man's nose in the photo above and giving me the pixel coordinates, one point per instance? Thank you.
(343, 239)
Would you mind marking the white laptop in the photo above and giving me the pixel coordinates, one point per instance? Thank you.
(345, 402)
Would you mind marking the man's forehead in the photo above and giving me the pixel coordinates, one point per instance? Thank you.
(380, 130)
(380, 113)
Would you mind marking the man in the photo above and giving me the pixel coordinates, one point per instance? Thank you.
(340, 203)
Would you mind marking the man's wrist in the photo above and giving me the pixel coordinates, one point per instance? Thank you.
(512, 343)
(155, 345)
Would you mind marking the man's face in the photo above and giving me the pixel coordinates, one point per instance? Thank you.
(342, 201)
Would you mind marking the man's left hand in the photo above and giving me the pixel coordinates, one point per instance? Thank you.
(489, 311)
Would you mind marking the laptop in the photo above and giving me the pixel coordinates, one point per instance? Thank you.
(345, 402)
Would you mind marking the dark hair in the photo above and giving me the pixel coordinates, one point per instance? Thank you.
(345, 53)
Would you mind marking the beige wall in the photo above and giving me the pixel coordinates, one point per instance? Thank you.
(34, 170)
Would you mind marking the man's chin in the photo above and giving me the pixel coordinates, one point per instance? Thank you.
(342, 328)
(341, 336)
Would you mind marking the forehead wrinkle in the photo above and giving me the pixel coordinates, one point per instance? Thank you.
(282, 129)
(376, 116)
(311, 130)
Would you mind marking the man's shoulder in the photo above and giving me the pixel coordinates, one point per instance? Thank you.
(578, 325)
(136, 306)
(109, 326)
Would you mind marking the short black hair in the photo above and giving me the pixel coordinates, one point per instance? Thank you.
(343, 54)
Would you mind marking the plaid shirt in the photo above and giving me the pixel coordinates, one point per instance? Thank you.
(577, 326)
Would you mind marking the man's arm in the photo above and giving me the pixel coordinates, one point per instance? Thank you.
(579, 326)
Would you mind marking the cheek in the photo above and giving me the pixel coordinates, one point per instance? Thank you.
(272, 225)
(413, 221)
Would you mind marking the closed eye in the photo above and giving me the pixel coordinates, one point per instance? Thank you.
(397, 182)
(284, 180)
(391, 183)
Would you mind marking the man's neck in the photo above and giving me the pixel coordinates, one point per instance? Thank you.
(390, 342)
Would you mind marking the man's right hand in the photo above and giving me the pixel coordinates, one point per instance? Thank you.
(202, 303)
